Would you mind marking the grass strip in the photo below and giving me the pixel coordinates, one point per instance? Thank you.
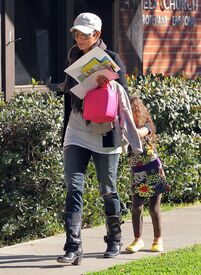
(186, 261)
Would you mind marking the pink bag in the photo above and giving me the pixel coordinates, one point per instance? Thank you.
(100, 105)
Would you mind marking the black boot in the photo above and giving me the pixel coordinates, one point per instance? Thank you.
(72, 256)
(113, 238)
(73, 246)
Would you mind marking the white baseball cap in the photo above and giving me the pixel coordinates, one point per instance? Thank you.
(87, 22)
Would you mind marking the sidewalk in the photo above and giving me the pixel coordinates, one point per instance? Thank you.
(181, 227)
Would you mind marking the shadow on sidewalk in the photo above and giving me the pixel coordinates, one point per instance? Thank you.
(15, 261)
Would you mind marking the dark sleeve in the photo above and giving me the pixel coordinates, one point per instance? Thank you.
(67, 104)
(122, 72)
(67, 110)
(69, 83)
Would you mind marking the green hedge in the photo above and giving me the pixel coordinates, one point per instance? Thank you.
(32, 189)
(31, 173)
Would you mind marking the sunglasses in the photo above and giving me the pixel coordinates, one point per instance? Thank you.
(83, 36)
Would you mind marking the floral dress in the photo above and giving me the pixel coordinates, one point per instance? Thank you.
(148, 177)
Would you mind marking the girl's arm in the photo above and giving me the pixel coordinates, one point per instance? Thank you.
(144, 130)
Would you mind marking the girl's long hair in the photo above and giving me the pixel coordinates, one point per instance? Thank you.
(141, 115)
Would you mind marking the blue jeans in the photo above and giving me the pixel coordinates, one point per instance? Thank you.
(76, 160)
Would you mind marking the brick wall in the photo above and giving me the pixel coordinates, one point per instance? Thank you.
(170, 45)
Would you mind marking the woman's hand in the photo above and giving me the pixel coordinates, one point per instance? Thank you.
(102, 80)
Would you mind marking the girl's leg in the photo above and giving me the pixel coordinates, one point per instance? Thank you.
(137, 220)
(154, 210)
(137, 216)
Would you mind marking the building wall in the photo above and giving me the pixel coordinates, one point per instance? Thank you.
(172, 36)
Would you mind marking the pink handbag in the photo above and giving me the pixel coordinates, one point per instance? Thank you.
(100, 105)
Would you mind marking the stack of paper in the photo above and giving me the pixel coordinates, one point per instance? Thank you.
(88, 67)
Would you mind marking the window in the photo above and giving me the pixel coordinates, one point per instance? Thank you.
(40, 41)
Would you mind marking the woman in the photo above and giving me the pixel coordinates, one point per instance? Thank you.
(81, 143)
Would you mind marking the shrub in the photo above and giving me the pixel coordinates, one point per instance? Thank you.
(31, 173)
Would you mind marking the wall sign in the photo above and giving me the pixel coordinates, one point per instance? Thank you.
(173, 6)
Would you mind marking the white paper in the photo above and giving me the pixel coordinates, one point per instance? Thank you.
(90, 82)
(95, 52)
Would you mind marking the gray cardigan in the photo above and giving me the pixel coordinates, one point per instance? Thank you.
(124, 123)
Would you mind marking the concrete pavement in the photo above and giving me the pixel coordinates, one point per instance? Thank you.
(181, 227)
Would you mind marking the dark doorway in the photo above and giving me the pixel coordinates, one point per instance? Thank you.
(40, 41)
(131, 35)
(104, 9)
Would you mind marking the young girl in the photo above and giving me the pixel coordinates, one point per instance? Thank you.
(148, 179)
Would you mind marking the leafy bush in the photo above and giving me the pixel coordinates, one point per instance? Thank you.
(31, 173)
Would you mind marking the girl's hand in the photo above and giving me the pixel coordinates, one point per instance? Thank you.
(148, 126)
(142, 132)
(102, 80)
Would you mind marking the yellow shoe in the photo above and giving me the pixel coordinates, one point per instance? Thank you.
(135, 246)
(157, 246)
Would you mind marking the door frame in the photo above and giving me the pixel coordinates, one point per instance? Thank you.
(7, 48)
